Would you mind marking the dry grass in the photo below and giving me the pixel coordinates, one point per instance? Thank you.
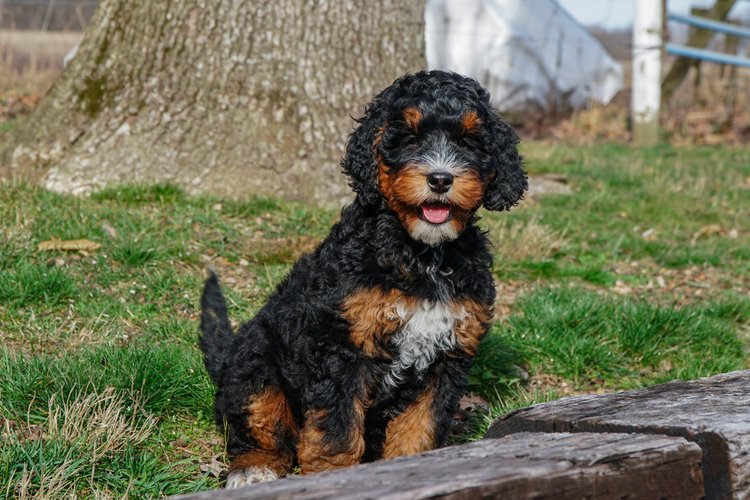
(525, 240)
(53, 483)
(711, 110)
(710, 107)
(31, 60)
(102, 423)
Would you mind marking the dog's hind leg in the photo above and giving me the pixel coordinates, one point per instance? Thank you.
(332, 438)
(269, 453)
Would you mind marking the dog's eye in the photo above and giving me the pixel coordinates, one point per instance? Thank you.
(408, 140)
(472, 142)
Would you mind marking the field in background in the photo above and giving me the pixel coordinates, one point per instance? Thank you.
(29, 63)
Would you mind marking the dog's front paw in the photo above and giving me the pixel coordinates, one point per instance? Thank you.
(242, 477)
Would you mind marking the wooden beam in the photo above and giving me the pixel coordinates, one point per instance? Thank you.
(712, 412)
(526, 465)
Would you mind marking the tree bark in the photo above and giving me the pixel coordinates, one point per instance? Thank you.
(228, 97)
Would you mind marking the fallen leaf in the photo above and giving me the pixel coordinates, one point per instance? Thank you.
(213, 467)
(649, 234)
(68, 245)
(179, 443)
(471, 401)
(621, 288)
(708, 230)
(32, 433)
(110, 230)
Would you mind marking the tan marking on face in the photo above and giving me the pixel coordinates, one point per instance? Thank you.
(405, 183)
(470, 329)
(371, 313)
(470, 122)
(412, 117)
(465, 196)
(412, 431)
(316, 452)
(410, 185)
(467, 191)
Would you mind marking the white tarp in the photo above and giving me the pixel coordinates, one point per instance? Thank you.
(530, 54)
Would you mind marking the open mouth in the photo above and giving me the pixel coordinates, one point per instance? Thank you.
(435, 213)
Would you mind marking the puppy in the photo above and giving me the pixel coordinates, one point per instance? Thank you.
(363, 350)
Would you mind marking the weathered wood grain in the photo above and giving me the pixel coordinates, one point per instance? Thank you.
(712, 412)
(525, 465)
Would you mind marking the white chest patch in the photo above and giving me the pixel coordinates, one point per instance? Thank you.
(428, 329)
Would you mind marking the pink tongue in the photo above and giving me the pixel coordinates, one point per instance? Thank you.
(436, 213)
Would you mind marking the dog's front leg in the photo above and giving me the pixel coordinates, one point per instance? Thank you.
(413, 430)
(426, 422)
(332, 437)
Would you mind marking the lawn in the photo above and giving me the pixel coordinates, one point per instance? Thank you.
(640, 275)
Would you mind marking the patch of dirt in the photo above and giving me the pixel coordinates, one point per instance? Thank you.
(234, 274)
(547, 184)
(17, 106)
(543, 383)
(507, 292)
(681, 287)
(278, 250)
(12, 430)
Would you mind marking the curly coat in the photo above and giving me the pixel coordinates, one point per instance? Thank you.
(363, 350)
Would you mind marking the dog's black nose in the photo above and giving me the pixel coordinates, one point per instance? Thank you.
(440, 182)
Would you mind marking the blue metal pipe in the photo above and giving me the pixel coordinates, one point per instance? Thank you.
(706, 55)
(709, 24)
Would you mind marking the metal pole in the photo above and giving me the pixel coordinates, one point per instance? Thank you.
(646, 95)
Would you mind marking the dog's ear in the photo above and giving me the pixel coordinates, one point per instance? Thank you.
(509, 182)
(359, 160)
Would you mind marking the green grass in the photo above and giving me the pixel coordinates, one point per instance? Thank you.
(30, 284)
(149, 385)
(620, 343)
(7, 126)
(639, 276)
(668, 194)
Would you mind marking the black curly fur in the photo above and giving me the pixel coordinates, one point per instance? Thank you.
(436, 90)
(300, 343)
(216, 336)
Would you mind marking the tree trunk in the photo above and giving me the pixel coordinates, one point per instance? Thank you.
(228, 97)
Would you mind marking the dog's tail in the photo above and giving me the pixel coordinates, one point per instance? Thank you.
(216, 331)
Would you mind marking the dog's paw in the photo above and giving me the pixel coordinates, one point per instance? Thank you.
(242, 477)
